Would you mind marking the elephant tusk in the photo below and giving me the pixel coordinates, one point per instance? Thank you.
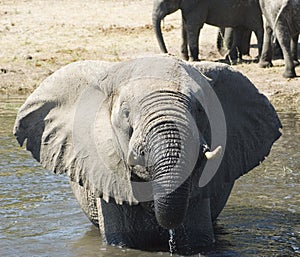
(105, 197)
(211, 155)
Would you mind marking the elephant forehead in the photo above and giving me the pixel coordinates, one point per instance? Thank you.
(137, 89)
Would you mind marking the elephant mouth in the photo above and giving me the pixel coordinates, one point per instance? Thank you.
(140, 173)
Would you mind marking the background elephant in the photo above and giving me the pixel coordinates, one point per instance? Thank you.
(282, 20)
(226, 36)
(232, 13)
(135, 139)
(225, 39)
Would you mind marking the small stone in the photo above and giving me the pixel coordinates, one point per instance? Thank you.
(28, 57)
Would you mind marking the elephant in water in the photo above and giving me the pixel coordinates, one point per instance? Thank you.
(152, 146)
(229, 13)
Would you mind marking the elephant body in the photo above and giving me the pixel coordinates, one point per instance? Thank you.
(232, 13)
(282, 20)
(135, 226)
(152, 146)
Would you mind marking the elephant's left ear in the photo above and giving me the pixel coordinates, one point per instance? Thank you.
(66, 122)
(251, 122)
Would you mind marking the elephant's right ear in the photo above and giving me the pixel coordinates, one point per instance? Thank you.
(66, 122)
(243, 120)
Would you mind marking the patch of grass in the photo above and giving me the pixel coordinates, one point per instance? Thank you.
(114, 51)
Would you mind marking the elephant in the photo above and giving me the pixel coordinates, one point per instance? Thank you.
(225, 38)
(152, 146)
(195, 13)
(282, 21)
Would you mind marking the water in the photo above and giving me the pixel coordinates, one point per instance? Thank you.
(172, 243)
(40, 217)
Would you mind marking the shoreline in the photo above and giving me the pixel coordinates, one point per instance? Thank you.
(38, 38)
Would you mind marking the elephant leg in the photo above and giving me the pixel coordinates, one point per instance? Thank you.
(224, 40)
(294, 47)
(259, 33)
(136, 227)
(193, 32)
(184, 48)
(234, 53)
(245, 44)
(284, 40)
(221, 42)
(228, 37)
(218, 201)
(266, 54)
(277, 52)
(197, 230)
(240, 43)
(87, 202)
(131, 226)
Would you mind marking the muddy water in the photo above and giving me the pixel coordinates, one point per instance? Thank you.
(40, 217)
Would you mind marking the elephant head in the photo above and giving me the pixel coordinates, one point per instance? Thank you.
(161, 8)
(153, 127)
(141, 130)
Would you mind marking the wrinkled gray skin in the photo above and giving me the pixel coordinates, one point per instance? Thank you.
(221, 13)
(113, 126)
(282, 20)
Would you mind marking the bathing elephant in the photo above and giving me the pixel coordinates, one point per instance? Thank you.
(282, 20)
(152, 146)
(231, 13)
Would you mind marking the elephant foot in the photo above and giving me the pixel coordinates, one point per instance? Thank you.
(247, 57)
(289, 74)
(256, 59)
(232, 60)
(185, 56)
(192, 59)
(265, 64)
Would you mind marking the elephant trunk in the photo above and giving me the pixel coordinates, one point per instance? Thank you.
(161, 8)
(156, 19)
(172, 154)
(171, 194)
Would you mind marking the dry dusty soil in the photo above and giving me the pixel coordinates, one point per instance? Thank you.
(39, 36)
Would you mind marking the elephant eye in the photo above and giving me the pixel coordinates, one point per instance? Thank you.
(125, 111)
(130, 131)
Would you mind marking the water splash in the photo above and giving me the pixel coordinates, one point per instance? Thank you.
(172, 243)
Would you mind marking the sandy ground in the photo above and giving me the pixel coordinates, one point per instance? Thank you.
(39, 36)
